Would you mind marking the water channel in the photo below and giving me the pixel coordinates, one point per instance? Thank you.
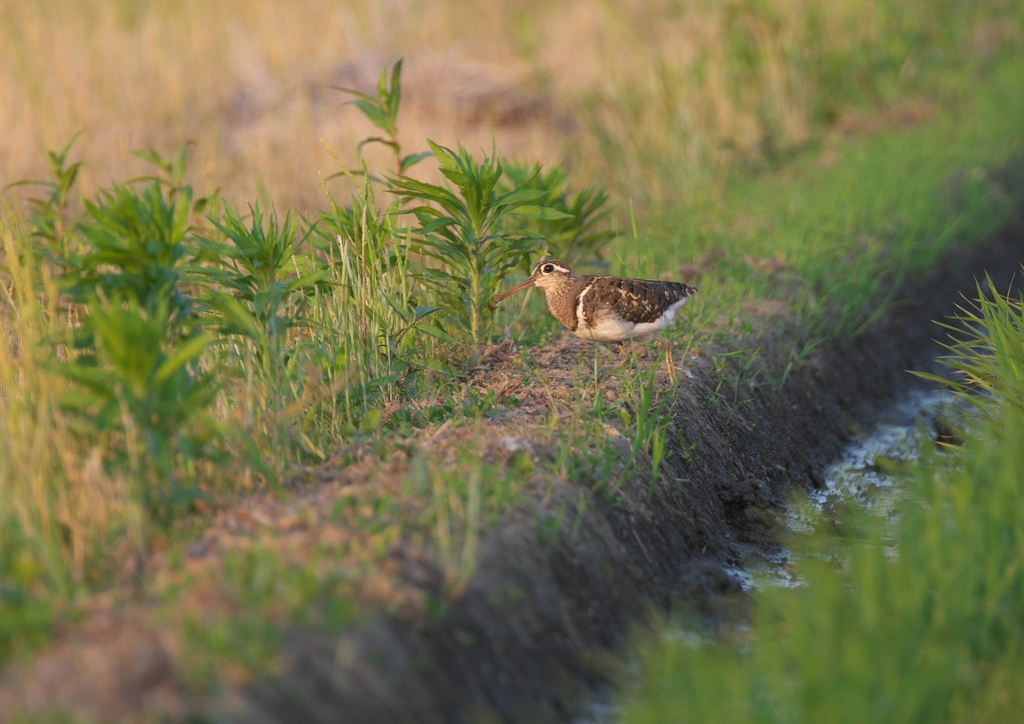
(858, 477)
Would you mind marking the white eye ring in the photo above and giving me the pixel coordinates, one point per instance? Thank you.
(548, 268)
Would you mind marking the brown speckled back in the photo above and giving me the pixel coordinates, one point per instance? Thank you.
(634, 300)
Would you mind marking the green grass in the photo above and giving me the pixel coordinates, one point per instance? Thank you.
(916, 619)
(708, 92)
(840, 239)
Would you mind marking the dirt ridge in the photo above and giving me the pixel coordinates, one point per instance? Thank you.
(528, 656)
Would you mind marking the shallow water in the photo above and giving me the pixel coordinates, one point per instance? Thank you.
(858, 476)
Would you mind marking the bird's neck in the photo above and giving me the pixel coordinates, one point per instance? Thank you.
(562, 301)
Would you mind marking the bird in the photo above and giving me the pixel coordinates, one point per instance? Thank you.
(606, 309)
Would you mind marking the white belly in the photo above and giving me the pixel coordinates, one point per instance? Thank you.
(610, 328)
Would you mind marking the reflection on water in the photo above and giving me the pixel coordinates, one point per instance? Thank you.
(862, 473)
(862, 477)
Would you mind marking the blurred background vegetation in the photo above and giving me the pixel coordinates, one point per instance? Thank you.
(656, 100)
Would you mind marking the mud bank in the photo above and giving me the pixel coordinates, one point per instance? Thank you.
(539, 621)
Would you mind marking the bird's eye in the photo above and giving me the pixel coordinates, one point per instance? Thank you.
(548, 268)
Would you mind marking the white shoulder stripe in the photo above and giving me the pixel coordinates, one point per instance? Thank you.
(580, 319)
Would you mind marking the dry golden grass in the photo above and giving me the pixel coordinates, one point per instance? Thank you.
(55, 489)
(643, 97)
(247, 83)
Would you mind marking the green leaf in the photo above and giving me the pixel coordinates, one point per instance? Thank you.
(419, 189)
(400, 309)
(439, 275)
(307, 280)
(412, 159)
(444, 156)
(374, 113)
(182, 213)
(422, 312)
(239, 319)
(81, 400)
(436, 224)
(439, 366)
(354, 92)
(519, 196)
(435, 332)
(544, 213)
(376, 139)
(92, 377)
(394, 97)
(179, 163)
(186, 352)
(154, 158)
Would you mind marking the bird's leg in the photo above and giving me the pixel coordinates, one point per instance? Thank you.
(625, 355)
(670, 364)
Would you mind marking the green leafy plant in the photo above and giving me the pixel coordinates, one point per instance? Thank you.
(149, 395)
(260, 286)
(578, 236)
(466, 232)
(382, 111)
(135, 248)
(363, 244)
(136, 381)
(49, 220)
(173, 169)
(268, 279)
(649, 419)
(172, 175)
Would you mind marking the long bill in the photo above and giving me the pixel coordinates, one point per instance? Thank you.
(518, 287)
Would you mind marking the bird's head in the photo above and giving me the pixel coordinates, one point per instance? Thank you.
(548, 274)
